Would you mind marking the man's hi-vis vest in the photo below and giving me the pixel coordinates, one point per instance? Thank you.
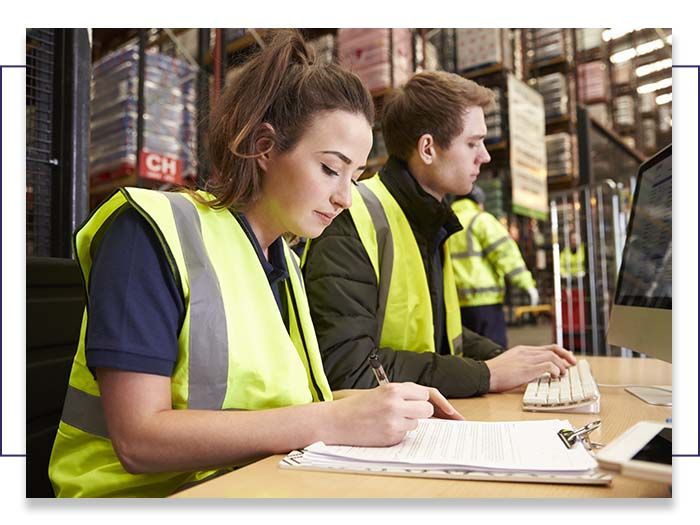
(404, 312)
(572, 264)
(484, 256)
(234, 352)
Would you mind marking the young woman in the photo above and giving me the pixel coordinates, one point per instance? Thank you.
(197, 353)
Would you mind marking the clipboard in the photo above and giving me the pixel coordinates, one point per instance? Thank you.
(294, 461)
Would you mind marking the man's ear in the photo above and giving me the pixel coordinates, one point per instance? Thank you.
(426, 148)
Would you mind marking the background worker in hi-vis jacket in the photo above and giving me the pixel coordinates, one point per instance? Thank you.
(484, 256)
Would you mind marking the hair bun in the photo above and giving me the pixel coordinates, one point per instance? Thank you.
(293, 41)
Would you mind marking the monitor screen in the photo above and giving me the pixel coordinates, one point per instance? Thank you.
(645, 273)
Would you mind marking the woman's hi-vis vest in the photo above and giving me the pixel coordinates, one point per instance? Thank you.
(234, 351)
(404, 311)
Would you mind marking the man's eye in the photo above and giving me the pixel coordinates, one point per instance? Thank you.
(329, 171)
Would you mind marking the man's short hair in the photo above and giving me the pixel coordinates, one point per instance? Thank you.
(431, 102)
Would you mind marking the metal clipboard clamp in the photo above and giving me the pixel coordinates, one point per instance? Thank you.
(570, 437)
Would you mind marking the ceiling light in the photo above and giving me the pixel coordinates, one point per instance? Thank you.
(655, 86)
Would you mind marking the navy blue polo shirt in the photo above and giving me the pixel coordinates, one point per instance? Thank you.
(137, 308)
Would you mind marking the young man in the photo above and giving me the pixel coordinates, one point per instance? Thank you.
(484, 257)
(380, 278)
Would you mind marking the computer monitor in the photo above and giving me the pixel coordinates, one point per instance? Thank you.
(641, 313)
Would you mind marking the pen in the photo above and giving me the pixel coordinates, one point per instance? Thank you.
(378, 370)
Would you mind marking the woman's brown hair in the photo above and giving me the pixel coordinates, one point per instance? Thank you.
(284, 87)
(431, 102)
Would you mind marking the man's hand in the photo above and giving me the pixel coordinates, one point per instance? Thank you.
(522, 364)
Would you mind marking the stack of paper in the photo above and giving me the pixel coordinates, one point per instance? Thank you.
(507, 447)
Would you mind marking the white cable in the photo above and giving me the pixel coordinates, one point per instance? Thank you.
(656, 387)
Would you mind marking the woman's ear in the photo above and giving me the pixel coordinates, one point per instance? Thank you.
(264, 145)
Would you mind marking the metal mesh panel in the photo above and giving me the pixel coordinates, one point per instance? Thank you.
(40, 73)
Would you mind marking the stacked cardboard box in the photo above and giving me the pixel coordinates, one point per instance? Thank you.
(588, 38)
(600, 112)
(324, 47)
(623, 110)
(549, 44)
(169, 116)
(374, 53)
(593, 83)
(494, 119)
(560, 155)
(481, 47)
(554, 90)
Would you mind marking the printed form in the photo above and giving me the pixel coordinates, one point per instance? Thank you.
(532, 446)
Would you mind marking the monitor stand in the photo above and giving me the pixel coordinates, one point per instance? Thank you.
(659, 395)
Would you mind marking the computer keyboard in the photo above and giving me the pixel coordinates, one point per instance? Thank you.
(576, 391)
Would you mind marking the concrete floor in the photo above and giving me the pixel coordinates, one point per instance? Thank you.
(531, 334)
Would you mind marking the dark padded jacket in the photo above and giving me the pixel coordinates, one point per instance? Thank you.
(342, 289)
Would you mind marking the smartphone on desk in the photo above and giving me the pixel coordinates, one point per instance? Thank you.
(644, 451)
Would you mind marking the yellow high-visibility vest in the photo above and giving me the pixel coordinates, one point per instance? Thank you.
(404, 309)
(234, 351)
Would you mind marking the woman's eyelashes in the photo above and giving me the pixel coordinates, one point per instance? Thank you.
(332, 172)
(329, 171)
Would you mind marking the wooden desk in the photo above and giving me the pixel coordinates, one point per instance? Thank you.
(619, 410)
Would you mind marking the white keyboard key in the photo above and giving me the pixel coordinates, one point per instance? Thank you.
(577, 388)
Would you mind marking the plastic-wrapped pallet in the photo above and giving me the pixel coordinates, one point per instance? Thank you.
(482, 47)
(494, 119)
(553, 89)
(588, 38)
(169, 115)
(622, 73)
(648, 134)
(367, 53)
(647, 102)
(493, 189)
(549, 44)
(623, 110)
(665, 118)
(444, 42)
(323, 46)
(378, 146)
(559, 155)
(432, 58)
(592, 82)
(600, 113)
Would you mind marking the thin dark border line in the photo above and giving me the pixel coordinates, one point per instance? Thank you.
(2, 455)
(697, 68)
(1, 179)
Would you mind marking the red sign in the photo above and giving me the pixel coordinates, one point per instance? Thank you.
(160, 167)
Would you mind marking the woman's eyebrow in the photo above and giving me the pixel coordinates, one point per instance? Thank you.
(342, 157)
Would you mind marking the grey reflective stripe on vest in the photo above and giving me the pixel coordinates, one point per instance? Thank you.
(208, 344)
(457, 343)
(491, 247)
(84, 411)
(470, 242)
(465, 292)
(385, 245)
(515, 272)
(298, 270)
